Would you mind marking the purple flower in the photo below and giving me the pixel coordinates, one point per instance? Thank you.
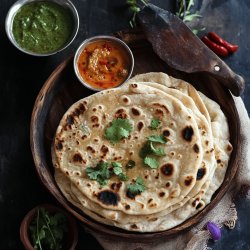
(214, 230)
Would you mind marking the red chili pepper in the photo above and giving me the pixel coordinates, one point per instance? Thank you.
(217, 49)
(230, 47)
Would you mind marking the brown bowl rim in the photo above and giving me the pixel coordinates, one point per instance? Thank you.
(109, 231)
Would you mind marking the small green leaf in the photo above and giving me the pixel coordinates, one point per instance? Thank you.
(157, 138)
(100, 173)
(137, 187)
(85, 129)
(119, 129)
(135, 9)
(151, 162)
(190, 17)
(154, 124)
(123, 177)
(157, 151)
(149, 149)
(117, 168)
(47, 230)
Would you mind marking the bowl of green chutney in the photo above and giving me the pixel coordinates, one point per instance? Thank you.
(42, 27)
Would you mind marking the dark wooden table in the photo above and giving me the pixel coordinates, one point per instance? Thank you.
(22, 76)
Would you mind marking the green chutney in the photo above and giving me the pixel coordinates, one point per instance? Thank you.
(42, 27)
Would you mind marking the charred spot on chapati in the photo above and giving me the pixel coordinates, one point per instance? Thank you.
(84, 137)
(134, 226)
(218, 161)
(125, 100)
(188, 180)
(76, 112)
(161, 194)
(166, 133)
(200, 205)
(104, 149)
(77, 158)
(120, 113)
(140, 125)
(59, 145)
(196, 148)
(92, 150)
(127, 207)
(153, 219)
(94, 119)
(108, 197)
(167, 169)
(167, 185)
(153, 205)
(82, 108)
(134, 85)
(229, 147)
(159, 112)
(116, 186)
(150, 200)
(187, 133)
(201, 172)
(162, 106)
(195, 202)
(135, 111)
(70, 120)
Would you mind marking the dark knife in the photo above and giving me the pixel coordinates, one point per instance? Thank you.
(176, 44)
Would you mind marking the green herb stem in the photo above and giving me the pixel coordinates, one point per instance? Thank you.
(37, 229)
(48, 227)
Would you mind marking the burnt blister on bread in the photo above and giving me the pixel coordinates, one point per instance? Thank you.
(108, 197)
(167, 169)
(187, 133)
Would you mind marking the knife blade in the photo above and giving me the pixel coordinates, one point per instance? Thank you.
(176, 44)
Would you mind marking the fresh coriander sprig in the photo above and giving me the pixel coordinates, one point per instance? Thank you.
(136, 187)
(104, 170)
(135, 6)
(155, 123)
(119, 129)
(184, 12)
(47, 230)
(149, 152)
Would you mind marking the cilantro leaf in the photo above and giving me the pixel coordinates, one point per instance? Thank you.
(103, 172)
(123, 177)
(154, 124)
(151, 162)
(157, 151)
(157, 138)
(149, 149)
(47, 230)
(100, 173)
(117, 168)
(119, 129)
(136, 188)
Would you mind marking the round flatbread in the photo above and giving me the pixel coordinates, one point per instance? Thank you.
(164, 186)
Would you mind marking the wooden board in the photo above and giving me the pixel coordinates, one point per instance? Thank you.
(62, 89)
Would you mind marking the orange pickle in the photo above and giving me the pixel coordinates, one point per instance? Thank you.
(103, 64)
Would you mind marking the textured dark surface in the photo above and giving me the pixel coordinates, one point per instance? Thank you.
(22, 76)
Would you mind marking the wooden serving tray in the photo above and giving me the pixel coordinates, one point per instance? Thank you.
(62, 89)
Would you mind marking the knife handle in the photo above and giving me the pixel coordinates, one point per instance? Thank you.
(235, 83)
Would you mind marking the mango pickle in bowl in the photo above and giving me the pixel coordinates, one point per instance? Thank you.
(103, 62)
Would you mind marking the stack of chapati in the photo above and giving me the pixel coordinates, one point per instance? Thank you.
(143, 157)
